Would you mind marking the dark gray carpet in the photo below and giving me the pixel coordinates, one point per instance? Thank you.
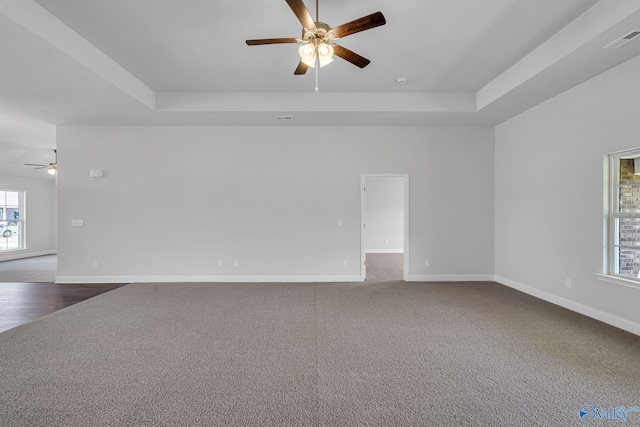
(379, 354)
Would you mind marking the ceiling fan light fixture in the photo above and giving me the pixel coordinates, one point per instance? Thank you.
(52, 169)
(325, 54)
(308, 54)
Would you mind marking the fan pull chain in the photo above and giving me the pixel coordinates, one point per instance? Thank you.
(317, 57)
(317, 72)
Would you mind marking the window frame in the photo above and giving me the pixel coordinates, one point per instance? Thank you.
(22, 220)
(614, 215)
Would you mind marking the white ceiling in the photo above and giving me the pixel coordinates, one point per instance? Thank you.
(198, 45)
(123, 62)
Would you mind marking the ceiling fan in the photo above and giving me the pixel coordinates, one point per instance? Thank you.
(317, 40)
(51, 167)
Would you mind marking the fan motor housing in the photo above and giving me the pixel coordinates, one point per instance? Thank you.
(323, 32)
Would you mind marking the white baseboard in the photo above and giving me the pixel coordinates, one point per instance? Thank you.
(450, 278)
(385, 251)
(20, 254)
(213, 279)
(607, 318)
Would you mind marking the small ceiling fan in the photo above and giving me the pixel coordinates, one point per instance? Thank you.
(51, 167)
(318, 38)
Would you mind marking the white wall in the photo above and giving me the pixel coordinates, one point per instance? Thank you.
(174, 200)
(40, 215)
(384, 215)
(549, 194)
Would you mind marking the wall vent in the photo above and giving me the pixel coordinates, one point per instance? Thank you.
(284, 117)
(623, 40)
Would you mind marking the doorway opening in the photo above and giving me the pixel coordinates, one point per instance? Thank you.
(384, 227)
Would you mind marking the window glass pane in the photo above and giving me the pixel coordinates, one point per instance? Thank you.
(13, 213)
(13, 198)
(11, 225)
(13, 242)
(629, 189)
(628, 261)
(6, 228)
(628, 247)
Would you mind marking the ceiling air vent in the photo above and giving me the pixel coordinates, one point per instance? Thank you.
(623, 40)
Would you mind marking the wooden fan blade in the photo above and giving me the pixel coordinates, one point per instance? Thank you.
(350, 56)
(301, 12)
(34, 164)
(302, 68)
(272, 41)
(364, 23)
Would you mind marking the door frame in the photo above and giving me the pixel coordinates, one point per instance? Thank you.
(405, 225)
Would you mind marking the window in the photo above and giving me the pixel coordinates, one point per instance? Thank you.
(624, 215)
(11, 220)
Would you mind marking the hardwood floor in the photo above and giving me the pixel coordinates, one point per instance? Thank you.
(384, 267)
(40, 269)
(24, 302)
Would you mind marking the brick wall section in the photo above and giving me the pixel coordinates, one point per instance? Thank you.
(629, 228)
